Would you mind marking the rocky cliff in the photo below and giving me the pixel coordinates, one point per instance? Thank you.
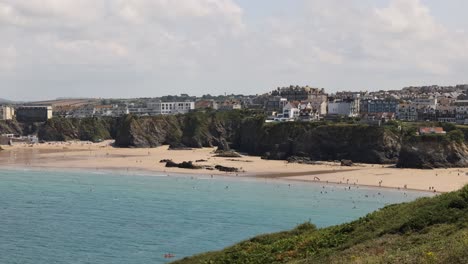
(194, 130)
(359, 143)
(250, 134)
(10, 127)
(89, 129)
(429, 155)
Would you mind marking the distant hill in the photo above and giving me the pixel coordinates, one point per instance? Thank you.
(429, 230)
(66, 102)
(5, 101)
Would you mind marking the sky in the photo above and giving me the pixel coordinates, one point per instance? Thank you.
(149, 48)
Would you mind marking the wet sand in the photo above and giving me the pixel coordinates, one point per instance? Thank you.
(102, 156)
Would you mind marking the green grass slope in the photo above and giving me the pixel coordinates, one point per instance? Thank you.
(428, 230)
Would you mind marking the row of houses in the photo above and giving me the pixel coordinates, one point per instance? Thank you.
(26, 113)
(433, 103)
(150, 108)
(443, 109)
(146, 108)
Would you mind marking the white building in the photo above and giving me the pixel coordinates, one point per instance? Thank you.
(346, 107)
(290, 111)
(6, 112)
(168, 108)
(420, 103)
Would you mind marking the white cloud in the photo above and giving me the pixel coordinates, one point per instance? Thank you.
(168, 45)
(149, 30)
(402, 35)
(181, 11)
(7, 57)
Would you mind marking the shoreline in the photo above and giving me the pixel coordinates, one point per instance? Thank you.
(144, 173)
(93, 157)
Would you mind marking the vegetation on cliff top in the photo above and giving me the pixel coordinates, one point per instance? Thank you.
(429, 230)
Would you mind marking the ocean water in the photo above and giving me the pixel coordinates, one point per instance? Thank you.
(82, 217)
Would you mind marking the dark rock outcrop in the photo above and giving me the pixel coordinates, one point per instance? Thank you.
(430, 155)
(88, 129)
(346, 163)
(183, 165)
(226, 169)
(223, 146)
(148, 132)
(193, 130)
(301, 160)
(227, 154)
(178, 146)
(359, 143)
(20, 129)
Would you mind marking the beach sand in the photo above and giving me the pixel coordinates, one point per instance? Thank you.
(102, 156)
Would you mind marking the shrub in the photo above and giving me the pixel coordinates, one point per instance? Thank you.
(458, 203)
(456, 136)
(448, 126)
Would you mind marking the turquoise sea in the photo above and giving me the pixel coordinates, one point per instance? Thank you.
(83, 217)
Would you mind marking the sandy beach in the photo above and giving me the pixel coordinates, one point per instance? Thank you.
(102, 156)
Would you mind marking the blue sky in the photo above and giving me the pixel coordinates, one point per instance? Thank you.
(141, 48)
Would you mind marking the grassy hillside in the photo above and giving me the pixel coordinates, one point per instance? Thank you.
(429, 230)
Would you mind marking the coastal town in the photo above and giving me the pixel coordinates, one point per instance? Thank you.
(233, 131)
(284, 104)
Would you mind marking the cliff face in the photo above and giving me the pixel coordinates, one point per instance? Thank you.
(10, 127)
(429, 155)
(62, 129)
(194, 130)
(147, 132)
(241, 131)
(16, 128)
(321, 142)
(251, 135)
